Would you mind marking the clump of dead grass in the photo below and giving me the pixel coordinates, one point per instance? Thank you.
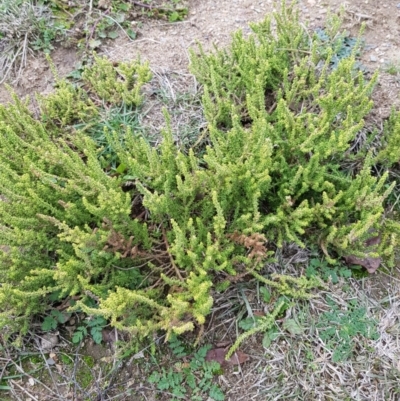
(23, 27)
(180, 95)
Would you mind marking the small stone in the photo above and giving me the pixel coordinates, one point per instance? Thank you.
(49, 341)
(138, 355)
(373, 58)
(50, 362)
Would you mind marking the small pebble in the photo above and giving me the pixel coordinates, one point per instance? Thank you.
(373, 58)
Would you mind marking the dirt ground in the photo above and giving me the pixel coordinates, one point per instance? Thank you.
(166, 46)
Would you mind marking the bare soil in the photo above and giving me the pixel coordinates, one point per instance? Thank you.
(165, 45)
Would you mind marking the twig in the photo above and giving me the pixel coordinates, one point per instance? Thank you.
(95, 23)
(30, 374)
(9, 65)
(122, 29)
(76, 364)
(272, 108)
(359, 15)
(24, 390)
(148, 6)
(170, 256)
(23, 57)
(48, 368)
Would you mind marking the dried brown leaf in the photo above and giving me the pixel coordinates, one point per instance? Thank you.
(109, 336)
(238, 358)
(371, 264)
(219, 354)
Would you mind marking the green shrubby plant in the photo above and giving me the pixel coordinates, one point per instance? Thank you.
(68, 105)
(149, 242)
(389, 155)
(309, 115)
(118, 84)
(51, 188)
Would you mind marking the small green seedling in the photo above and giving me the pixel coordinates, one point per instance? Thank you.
(189, 380)
(56, 317)
(94, 326)
(339, 327)
(319, 267)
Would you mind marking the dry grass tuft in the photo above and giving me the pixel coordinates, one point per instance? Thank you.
(180, 95)
(22, 27)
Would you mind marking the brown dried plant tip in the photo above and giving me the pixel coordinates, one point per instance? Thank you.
(255, 243)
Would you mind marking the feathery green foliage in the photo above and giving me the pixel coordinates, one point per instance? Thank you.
(282, 90)
(149, 242)
(389, 154)
(117, 84)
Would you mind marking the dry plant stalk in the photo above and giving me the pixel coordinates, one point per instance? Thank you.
(117, 242)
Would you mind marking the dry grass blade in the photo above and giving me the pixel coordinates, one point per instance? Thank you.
(301, 366)
(180, 95)
(21, 25)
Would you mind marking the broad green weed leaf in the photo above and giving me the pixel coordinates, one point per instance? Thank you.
(173, 17)
(94, 44)
(248, 323)
(270, 336)
(79, 335)
(96, 321)
(113, 34)
(266, 294)
(292, 327)
(96, 333)
(119, 17)
(49, 323)
(216, 393)
(131, 33)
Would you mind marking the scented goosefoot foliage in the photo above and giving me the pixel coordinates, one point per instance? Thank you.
(151, 240)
